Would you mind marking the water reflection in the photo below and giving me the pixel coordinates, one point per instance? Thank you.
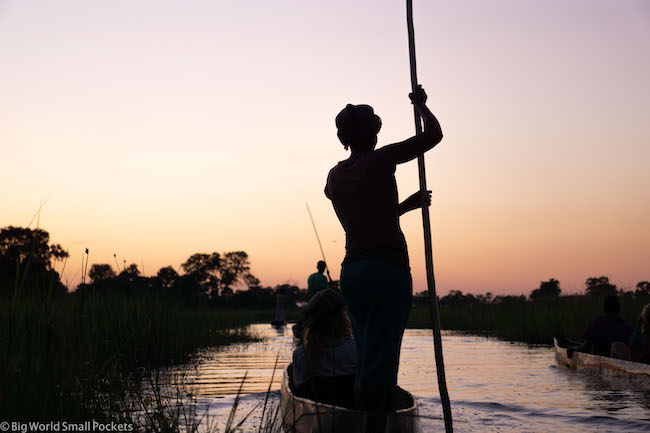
(221, 371)
(493, 385)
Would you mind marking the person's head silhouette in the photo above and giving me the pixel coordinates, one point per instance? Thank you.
(357, 127)
(321, 266)
(611, 305)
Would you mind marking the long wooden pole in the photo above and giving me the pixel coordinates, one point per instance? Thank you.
(319, 244)
(428, 251)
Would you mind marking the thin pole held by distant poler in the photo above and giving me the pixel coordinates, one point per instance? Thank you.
(428, 251)
(327, 268)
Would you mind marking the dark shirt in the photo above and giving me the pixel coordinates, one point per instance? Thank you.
(364, 194)
(605, 330)
(315, 283)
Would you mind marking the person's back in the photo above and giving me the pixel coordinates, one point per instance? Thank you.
(330, 378)
(605, 330)
(363, 189)
(324, 366)
(364, 195)
(317, 281)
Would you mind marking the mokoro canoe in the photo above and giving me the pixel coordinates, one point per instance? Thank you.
(302, 415)
(566, 357)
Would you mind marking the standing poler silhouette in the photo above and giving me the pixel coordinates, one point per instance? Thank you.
(375, 276)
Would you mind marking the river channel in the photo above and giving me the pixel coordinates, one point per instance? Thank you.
(495, 386)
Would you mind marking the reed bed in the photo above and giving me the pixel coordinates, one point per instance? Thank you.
(86, 357)
(535, 322)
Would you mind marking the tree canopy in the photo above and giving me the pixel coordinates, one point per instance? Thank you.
(26, 256)
(100, 272)
(21, 246)
(599, 286)
(547, 289)
(217, 274)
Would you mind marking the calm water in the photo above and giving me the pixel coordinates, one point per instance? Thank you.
(494, 386)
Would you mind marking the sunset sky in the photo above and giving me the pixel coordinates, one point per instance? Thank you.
(157, 129)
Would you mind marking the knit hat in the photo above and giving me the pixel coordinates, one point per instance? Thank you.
(356, 122)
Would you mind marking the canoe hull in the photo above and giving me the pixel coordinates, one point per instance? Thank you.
(600, 365)
(301, 415)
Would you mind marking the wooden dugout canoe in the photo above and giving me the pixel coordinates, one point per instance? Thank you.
(302, 415)
(605, 366)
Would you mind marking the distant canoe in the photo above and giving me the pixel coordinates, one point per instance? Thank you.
(566, 357)
(301, 415)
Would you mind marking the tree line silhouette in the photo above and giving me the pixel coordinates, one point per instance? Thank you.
(597, 287)
(27, 266)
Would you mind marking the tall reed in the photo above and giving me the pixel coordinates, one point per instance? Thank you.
(74, 357)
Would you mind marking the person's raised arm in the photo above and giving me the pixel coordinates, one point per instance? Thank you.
(420, 143)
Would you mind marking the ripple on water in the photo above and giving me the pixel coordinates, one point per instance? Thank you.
(494, 385)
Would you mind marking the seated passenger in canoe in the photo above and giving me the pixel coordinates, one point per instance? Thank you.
(640, 341)
(609, 335)
(325, 365)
